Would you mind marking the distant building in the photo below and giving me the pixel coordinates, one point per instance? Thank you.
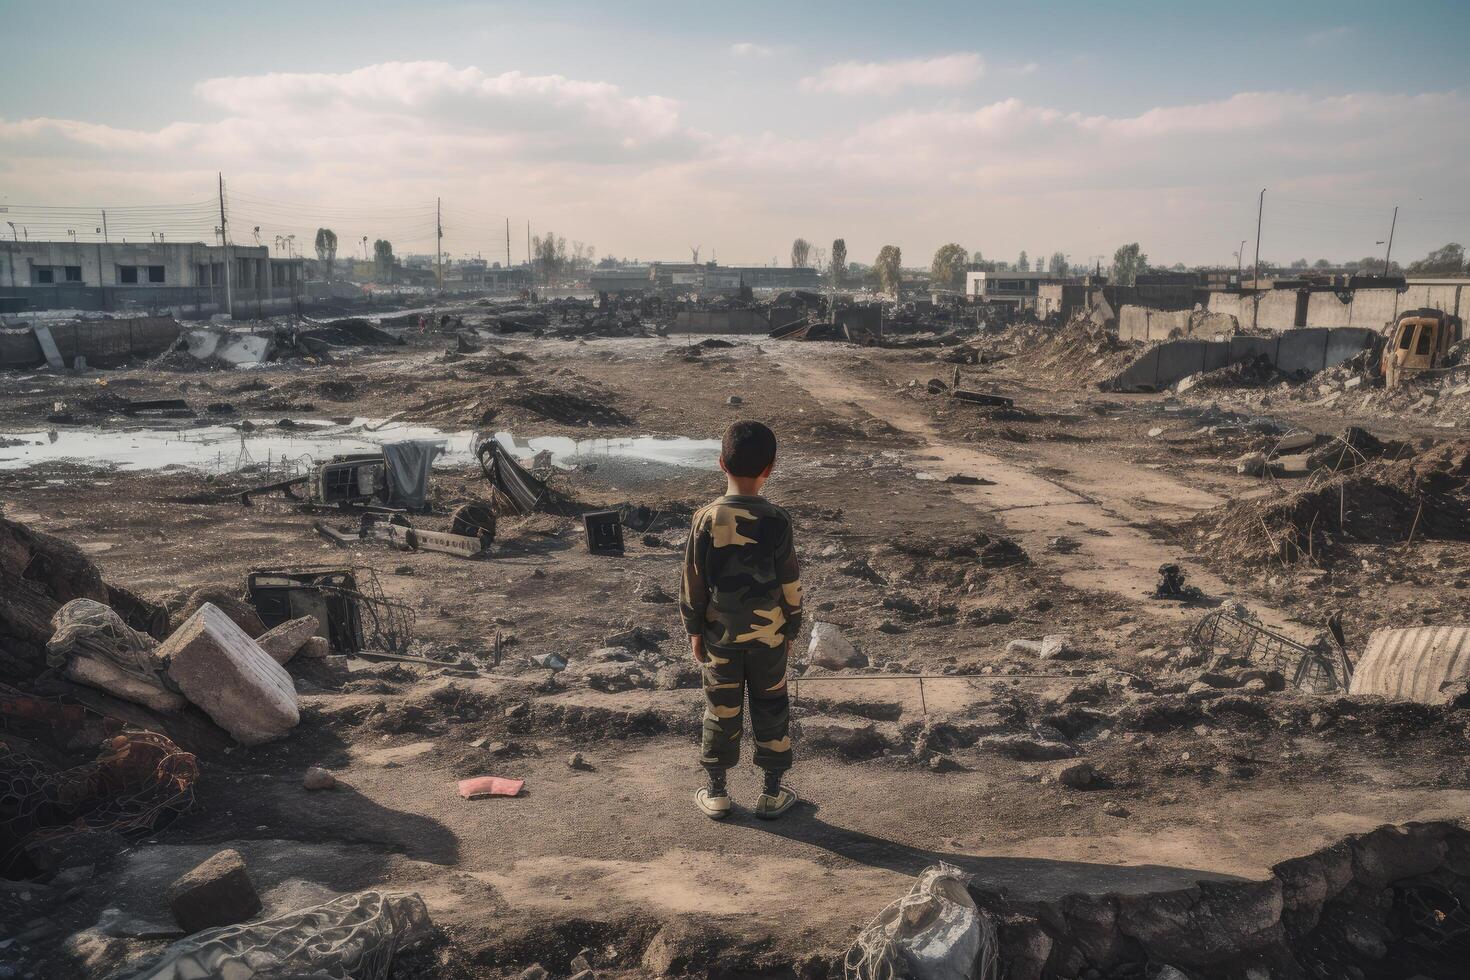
(105, 276)
(708, 277)
(1019, 289)
(634, 280)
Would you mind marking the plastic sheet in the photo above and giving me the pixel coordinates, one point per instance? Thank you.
(354, 937)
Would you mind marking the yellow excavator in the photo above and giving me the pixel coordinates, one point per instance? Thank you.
(1418, 341)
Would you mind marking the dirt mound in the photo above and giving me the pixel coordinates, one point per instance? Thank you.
(1426, 496)
(567, 406)
(566, 401)
(1257, 372)
(1077, 355)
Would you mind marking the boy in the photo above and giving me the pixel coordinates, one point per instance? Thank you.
(741, 602)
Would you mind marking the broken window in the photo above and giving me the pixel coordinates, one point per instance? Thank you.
(45, 276)
(155, 273)
(127, 273)
(1426, 340)
(73, 273)
(1406, 336)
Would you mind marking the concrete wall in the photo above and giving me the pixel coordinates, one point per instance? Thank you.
(103, 342)
(721, 321)
(1293, 350)
(179, 300)
(1139, 323)
(1370, 309)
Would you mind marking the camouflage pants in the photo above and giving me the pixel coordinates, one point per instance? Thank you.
(727, 676)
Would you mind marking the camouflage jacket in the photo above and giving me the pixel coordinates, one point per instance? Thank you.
(742, 587)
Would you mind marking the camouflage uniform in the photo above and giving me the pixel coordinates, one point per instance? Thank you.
(742, 593)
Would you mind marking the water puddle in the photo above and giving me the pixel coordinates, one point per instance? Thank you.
(226, 448)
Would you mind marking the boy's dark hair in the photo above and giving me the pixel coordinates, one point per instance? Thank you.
(748, 448)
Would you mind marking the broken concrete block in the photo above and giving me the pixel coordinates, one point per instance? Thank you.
(218, 892)
(1251, 464)
(1078, 775)
(318, 778)
(676, 949)
(830, 649)
(1052, 646)
(285, 640)
(228, 676)
(315, 648)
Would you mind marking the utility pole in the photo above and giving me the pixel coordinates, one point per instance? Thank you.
(225, 246)
(1239, 262)
(1256, 305)
(1389, 251)
(507, 248)
(439, 241)
(104, 227)
(530, 259)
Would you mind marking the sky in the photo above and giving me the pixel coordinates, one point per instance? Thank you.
(644, 129)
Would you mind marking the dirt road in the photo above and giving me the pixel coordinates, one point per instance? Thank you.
(1102, 501)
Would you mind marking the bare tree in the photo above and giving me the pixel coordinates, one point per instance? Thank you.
(1057, 264)
(801, 251)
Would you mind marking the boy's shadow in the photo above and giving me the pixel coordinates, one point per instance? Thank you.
(1024, 877)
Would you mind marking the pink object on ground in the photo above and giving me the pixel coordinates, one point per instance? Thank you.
(480, 786)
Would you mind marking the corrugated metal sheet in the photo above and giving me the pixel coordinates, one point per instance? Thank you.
(1413, 664)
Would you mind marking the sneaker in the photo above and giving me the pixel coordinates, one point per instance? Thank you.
(769, 805)
(714, 800)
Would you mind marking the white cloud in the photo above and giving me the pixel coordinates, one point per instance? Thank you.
(632, 174)
(749, 49)
(882, 77)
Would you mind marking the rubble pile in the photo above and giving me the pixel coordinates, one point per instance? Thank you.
(39, 574)
(1380, 502)
(512, 400)
(1079, 354)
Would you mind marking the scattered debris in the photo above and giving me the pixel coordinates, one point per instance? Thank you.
(604, 532)
(1172, 586)
(1428, 664)
(218, 892)
(483, 786)
(935, 932)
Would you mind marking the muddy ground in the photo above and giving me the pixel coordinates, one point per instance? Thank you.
(1081, 496)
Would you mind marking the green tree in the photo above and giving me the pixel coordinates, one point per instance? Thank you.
(1057, 264)
(383, 258)
(1322, 264)
(801, 253)
(1023, 264)
(1448, 260)
(839, 260)
(1128, 262)
(947, 271)
(889, 266)
(326, 250)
